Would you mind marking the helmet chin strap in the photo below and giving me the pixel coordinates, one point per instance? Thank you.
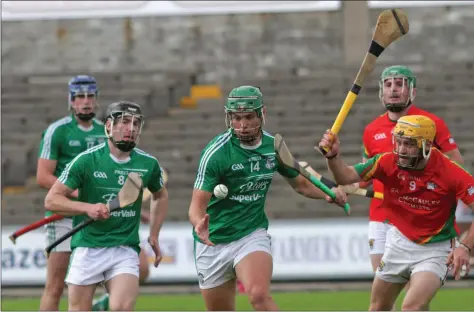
(85, 117)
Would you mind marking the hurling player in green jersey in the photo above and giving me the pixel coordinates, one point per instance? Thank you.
(107, 250)
(230, 233)
(63, 140)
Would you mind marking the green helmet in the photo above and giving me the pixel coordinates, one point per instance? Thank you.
(398, 71)
(243, 99)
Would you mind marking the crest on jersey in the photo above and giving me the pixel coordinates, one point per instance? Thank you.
(430, 186)
(381, 266)
(470, 191)
(270, 162)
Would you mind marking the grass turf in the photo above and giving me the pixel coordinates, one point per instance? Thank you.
(453, 299)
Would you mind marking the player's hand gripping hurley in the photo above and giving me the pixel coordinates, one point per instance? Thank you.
(284, 156)
(127, 195)
(391, 25)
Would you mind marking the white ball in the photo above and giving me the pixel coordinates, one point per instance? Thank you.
(220, 191)
(463, 272)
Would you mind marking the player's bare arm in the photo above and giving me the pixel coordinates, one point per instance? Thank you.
(45, 174)
(455, 155)
(363, 184)
(302, 186)
(468, 240)
(459, 258)
(158, 211)
(197, 214)
(57, 201)
(343, 174)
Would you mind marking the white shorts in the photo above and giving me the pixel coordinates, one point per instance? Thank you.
(89, 266)
(403, 258)
(215, 264)
(377, 237)
(55, 230)
(464, 214)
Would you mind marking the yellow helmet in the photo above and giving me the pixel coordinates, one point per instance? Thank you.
(422, 129)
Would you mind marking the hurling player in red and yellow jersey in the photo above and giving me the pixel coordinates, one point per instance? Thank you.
(397, 93)
(421, 190)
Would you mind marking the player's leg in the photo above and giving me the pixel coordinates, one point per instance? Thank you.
(255, 271)
(220, 298)
(122, 278)
(392, 274)
(57, 265)
(144, 266)
(80, 297)
(254, 268)
(423, 287)
(377, 238)
(85, 273)
(214, 267)
(384, 294)
(428, 274)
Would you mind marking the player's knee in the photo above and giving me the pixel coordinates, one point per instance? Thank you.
(377, 304)
(124, 304)
(54, 288)
(257, 295)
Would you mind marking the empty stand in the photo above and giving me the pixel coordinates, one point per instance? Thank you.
(301, 108)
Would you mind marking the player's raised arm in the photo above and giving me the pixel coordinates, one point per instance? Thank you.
(343, 174)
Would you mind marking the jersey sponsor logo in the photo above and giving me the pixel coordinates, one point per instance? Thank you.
(100, 175)
(380, 136)
(246, 198)
(74, 143)
(125, 173)
(470, 191)
(236, 167)
(123, 213)
(418, 203)
(257, 186)
(255, 158)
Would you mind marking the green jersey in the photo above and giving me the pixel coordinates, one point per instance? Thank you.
(99, 176)
(65, 138)
(247, 172)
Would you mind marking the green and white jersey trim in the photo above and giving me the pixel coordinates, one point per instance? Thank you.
(64, 175)
(143, 153)
(211, 150)
(48, 137)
